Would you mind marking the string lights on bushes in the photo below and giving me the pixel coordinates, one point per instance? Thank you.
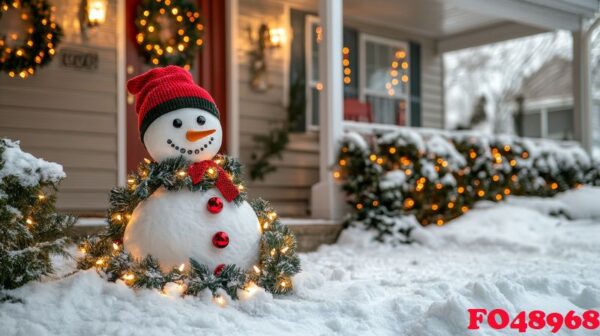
(442, 177)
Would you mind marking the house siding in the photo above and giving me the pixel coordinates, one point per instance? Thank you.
(70, 116)
(289, 187)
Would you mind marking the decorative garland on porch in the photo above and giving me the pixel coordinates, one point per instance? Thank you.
(40, 41)
(277, 255)
(169, 32)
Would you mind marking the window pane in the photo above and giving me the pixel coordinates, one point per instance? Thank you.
(532, 125)
(388, 110)
(560, 124)
(386, 69)
(316, 35)
(315, 106)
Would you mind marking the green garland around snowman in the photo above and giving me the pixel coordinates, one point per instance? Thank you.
(182, 223)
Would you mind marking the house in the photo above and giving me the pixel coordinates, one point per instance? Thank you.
(378, 63)
(548, 102)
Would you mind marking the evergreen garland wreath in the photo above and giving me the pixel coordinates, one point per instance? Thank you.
(169, 32)
(277, 256)
(41, 39)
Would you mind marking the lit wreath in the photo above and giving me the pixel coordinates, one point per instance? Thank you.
(169, 32)
(278, 260)
(40, 43)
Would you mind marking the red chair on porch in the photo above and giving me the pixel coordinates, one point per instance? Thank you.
(356, 110)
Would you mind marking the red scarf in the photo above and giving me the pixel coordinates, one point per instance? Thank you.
(197, 170)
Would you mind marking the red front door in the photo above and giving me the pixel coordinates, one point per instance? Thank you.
(209, 70)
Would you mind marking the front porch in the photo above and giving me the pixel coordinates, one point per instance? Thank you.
(334, 93)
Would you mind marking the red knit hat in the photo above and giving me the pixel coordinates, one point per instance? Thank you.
(162, 90)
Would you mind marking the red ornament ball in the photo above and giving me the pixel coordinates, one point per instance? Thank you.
(219, 269)
(220, 239)
(214, 205)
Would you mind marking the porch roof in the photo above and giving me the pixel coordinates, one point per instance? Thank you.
(458, 24)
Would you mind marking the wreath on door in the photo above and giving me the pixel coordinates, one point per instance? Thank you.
(169, 32)
(21, 54)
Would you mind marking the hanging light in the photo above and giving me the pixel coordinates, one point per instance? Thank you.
(96, 12)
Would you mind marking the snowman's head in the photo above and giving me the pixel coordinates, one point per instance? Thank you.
(176, 117)
(190, 132)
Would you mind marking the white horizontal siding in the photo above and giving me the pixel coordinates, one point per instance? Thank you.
(70, 116)
(288, 188)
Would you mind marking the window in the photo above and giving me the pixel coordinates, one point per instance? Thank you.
(313, 85)
(384, 67)
(549, 122)
(349, 63)
(379, 82)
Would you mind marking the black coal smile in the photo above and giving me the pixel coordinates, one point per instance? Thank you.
(189, 151)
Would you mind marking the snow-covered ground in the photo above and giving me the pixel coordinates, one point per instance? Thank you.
(513, 255)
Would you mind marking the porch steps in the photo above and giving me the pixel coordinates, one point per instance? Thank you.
(288, 188)
(310, 233)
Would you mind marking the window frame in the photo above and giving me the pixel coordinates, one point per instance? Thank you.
(310, 84)
(543, 107)
(363, 91)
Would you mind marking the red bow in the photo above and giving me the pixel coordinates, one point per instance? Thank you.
(197, 170)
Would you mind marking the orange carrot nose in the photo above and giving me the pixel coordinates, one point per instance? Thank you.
(197, 135)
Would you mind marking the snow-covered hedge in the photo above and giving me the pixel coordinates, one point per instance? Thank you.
(439, 176)
(30, 228)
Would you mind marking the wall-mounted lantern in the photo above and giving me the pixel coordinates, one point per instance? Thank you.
(96, 12)
(276, 37)
(91, 14)
(268, 38)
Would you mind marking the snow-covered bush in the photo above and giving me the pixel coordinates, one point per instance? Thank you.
(30, 228)
(438, 177)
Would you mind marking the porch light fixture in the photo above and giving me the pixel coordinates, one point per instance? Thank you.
(96, 12)
(92, 13)
(276, 37)
(267, 38)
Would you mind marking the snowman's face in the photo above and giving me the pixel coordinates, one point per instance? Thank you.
(192, 133)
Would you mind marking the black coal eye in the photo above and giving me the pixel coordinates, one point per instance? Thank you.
(201, 120)
(177, 123)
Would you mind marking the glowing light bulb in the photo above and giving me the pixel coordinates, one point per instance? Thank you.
(220, 301)
(181, 267)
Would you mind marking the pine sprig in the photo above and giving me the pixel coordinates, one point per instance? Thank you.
(30, 228)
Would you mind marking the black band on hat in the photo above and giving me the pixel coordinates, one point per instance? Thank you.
(176, 104)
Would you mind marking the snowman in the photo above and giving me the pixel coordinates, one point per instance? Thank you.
(178, 118)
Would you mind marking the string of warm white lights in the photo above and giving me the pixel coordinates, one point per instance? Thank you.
(404, 174)
(398, 69)
(277, 255)
(22, 53)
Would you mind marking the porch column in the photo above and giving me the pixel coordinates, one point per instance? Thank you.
(582, 85)
(327, 200)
